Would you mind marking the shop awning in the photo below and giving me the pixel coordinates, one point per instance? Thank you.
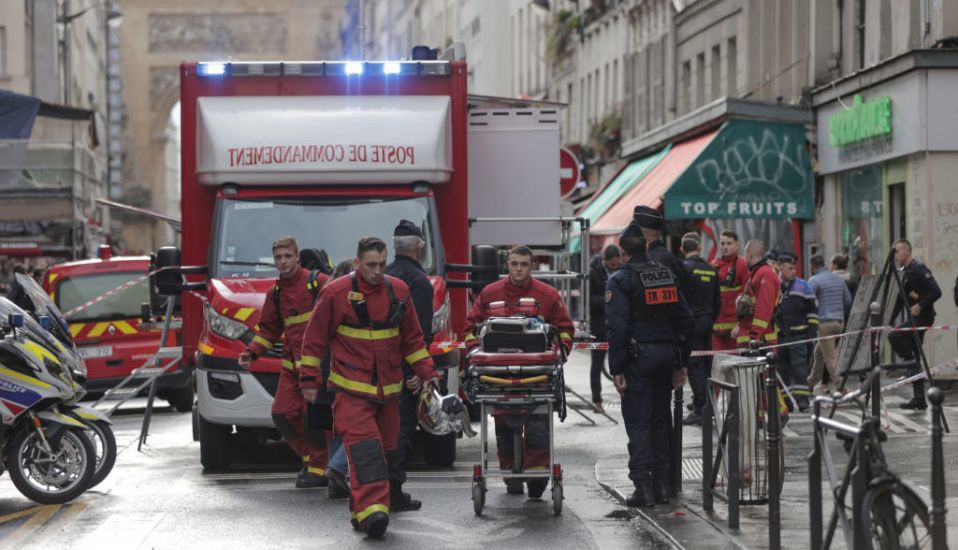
(653, 186)
(624, 181)
(750, 170)
(746, 169)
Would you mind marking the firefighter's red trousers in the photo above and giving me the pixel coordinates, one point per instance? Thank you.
(369, 431)
(723, 341)
(289, 408)
(534, 438)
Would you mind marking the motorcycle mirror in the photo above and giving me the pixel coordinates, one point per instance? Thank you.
(16, 320)
(45, 321)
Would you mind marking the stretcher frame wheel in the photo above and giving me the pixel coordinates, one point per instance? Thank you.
(478, 495)
(557, 496)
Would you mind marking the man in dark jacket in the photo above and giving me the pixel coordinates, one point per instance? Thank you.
(601, 268)
(704, 298)
(651, 222)
(408, 244)
(797, 319)
(922, 291)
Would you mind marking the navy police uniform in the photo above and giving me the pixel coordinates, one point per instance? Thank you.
(647, 320)
(920, 288)
(702, 290)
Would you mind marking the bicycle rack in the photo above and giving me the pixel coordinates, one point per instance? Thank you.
(728, 444)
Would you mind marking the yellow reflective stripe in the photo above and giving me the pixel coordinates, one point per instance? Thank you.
(317, 471)
(305, 458)
(707, 272)
(360, 516)
(565, 336)
(297, 319)
(53, 277)
(287, 364)
(469, 336)
(124, 327)
(40, 352)
(724, 326)
(760, 323)
(205, 348)
(24, 378)
(98, 329)
(743, 339)
(813, 321)
(75, 329)
(392, 388)
(799, 327)
(309, 361)
(347, 384)
(417, 356)
(730, 288)
(263, 342)
(243, 313)
(367, 334)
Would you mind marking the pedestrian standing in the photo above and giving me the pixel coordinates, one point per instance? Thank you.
(732, 275)
(834, 299)
(704, 297)
(651, 222)
(363, 321)
(283, 317)
(520, 294)
(600, 269)
(408, 245)
(649, 324)
(921, 291)
(797, 320)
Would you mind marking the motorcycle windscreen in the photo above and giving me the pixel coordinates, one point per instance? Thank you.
(59, 328)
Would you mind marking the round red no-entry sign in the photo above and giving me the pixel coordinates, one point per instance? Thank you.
(568, 171)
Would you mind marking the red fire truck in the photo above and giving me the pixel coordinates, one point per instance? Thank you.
(109, 334)
(329, 152)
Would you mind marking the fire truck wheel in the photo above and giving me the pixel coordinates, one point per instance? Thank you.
(182, 399)
(439, 450)
(214, 445)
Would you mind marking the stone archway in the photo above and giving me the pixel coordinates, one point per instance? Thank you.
(156, 37)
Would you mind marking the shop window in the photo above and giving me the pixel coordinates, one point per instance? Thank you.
(862, 211)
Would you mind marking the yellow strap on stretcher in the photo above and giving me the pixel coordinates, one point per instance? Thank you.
(514, 381)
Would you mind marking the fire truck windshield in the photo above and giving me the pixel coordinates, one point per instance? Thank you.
(245, 229)
(77, 290)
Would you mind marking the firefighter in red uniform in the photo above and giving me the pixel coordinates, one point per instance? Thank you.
(756, 304)
(283, 318)
(502, 298)
(367, 322)
(732, 274)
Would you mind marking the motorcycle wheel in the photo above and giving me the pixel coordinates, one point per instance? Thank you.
(104, 443)
(52, 479)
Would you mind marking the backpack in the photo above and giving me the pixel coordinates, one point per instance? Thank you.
(316, 259)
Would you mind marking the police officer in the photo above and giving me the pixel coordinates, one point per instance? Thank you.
(408, 245)
(647, 319)
(704, 297)
(796, 317)
(651, 222)
(922, 291)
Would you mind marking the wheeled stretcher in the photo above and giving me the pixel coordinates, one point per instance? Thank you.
(515, 372)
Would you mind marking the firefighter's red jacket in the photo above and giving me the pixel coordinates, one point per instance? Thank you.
(727, 319)
(288, 323)
(551, 307)
(366, 362)
(763, 287)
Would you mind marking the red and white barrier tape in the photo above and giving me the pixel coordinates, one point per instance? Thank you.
(113, 292)
(920, 376)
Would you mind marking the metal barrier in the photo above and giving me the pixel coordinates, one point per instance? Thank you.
(728, 449)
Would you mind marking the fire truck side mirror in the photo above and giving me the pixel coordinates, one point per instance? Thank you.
(169, 281)
(486, 258)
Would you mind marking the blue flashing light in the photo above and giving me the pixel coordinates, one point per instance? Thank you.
(211, 69)
(16, 320)
(45, 321)
(392, 67)
(354, 67)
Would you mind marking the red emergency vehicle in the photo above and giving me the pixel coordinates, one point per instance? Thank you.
(109, 334)
(329, 152)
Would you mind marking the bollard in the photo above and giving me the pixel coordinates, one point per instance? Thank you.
(815, 484)
(734, 468)
(772, 456)
(676, 471)
(875, 314)
(939, 533)
(707, 499)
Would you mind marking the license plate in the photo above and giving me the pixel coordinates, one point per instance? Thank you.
(96, 352)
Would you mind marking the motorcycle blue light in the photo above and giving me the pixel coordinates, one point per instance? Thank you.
(211, 69)
(45, 321)
(16, 320)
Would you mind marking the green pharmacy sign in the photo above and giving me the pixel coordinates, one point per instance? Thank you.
(864, 121)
